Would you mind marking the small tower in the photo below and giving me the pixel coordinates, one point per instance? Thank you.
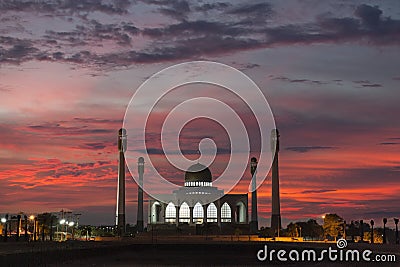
(276, 209)
(254, 213)
(139, 223)
(120, 212)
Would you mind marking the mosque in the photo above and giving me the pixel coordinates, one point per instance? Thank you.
(199, 207)
(188, 208)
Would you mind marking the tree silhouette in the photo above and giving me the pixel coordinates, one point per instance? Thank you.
(333, 226)
(384, 230)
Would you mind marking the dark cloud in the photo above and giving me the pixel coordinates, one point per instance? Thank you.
(93, 146)
(389, 143)
(194, 29)
(67, 7)
(370, 15)
(366, 83)
(252, 13)
(212, 6)
(65, 128)
(189, 48)
(157, 151)
(304, 149)
(98, 121)
(176, 9)
(15, 51)
(286, 79)
(188, 39)
(318, 191)
(372, 85)
(94, 32)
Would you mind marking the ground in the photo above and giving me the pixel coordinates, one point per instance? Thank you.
(188, 251)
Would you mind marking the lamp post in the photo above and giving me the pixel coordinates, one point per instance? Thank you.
(26, 227)
(33, 218)
(384, 230)
(396, 222)
(18, 226)
(372, 231)
(344, 229)
(6, 228)
(71, 224)
(62, 223)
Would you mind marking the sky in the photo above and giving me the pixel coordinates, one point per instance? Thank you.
(329, 70)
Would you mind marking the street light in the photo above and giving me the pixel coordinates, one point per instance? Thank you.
(4, 220)
(35, 226)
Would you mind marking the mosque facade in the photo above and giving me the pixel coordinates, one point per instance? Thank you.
(191, 209)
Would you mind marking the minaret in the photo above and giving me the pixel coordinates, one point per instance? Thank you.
(254, 214)
(120, 218)
(139, 223)
(276, 210)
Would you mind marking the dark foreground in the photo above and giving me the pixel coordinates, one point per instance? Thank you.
(172, 254)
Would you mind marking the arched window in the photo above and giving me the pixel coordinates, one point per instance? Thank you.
(198, 213)
(170, 213)
(184, 213)
(155, 212)
(211, 213)
(226, 213)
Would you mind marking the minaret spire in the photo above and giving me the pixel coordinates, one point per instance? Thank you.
(139, 223)
(254, 213)
(120, 212)
(276, 209)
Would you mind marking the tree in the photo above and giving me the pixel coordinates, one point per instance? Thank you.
(46, 222)
(291, 230)
(312, 229)
(333, 226)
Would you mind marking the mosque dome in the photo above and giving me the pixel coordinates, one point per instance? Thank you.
(198, 173)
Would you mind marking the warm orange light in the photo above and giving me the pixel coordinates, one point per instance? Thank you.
(31, 217)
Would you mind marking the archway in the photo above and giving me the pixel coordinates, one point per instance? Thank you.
(155, 212)
(184, 213)
(211, 213)
(170, 213)
(240, 212)
(198, 213)
(226, 213)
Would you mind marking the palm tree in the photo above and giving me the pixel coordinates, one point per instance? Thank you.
(372, 231)
(396, 222)
(384, 230)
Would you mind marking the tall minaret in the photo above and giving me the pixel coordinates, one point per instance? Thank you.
(139, 223)
(120, 218)
(254, 214)
(276, 209)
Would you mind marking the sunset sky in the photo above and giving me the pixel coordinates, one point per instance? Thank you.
(329, 70)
